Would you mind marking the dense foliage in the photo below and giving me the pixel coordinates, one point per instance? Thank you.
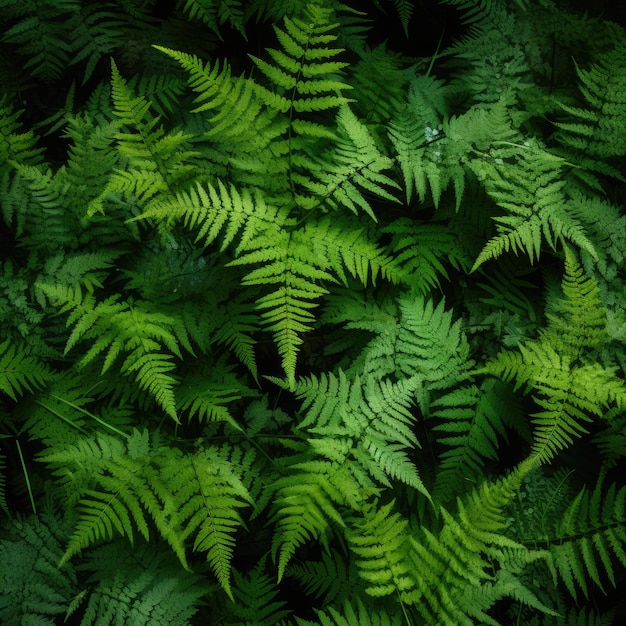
(306, 323)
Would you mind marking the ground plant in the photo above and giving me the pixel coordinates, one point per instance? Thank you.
(312, 313)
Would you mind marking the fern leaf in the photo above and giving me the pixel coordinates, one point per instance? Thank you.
(20, 371)
(381, 543)
(304, 504)
(303, 71)
(34, 589)
(256, 598)
(355, 614)
(472, 423)
(208, 494)
(355, 163)
(590, 538)
(532, 192)
(597, 130)
(144, 586)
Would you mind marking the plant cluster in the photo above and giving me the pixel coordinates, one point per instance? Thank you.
(301, 330)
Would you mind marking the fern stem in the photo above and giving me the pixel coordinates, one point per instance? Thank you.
(26, 478)
(93, 417)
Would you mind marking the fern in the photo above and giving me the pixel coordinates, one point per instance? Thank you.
(40, 34)
(19, 371)
(304, 70)
(353, 614)
(597, 126)
(570, 390)
(393, 559)
(145, 587)
(256, 597)
(590, 539)
(472, 425)
(15, 147)
(215, 14)
(538, 210)
(122, 487)
(34, 589)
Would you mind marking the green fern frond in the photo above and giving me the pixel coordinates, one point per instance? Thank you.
(123, 488)
(366, 420)
(590, 538)
(149, 339)
(37, 198)
(34, 589)
(598, 131)
(571, 389)
(568, 395)
(473, 556)
(256, 600)
(304, 71)
(208, 493)
(606, 225)
(473, 421)
(206, 395)
(577, 322)
(333, 578)
(380, 541)
(355, 163)
(380, 81)
(216, 13)
(355, 614)
(531, 190)
(96, 33)
(144, 587)
(422, 251)
(305, 507)
(158, 163)
(15, 147)
(20, 371)
(40, 34)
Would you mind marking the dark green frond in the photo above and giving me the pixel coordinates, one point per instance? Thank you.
(34, 590)
(20, 371)
(144, 587)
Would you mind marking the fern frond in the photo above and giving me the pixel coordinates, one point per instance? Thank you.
(590, 538)
(422, 251)
(96, 33)
(531, 190)
(473, 420)
(256, 598)
(598, 127)
(15, 147)
(206, 395)
(304, 72)
(569, 395)
(355, 614)
(20, 371)
(473, 556)
(333, 578)
(355, 162)
(41, 35)
(207, 493)
(380, 81)
(577, 323)
(148, 338)
(158, 163)
(380, 541)
(305, 505)
(123, 488)
(366, 420)
(216, 13)
(34, 589)
(145, 587)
